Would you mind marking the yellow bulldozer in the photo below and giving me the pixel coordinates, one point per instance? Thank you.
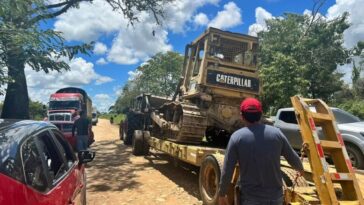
(219, 70)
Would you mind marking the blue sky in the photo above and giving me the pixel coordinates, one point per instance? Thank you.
(121, 48)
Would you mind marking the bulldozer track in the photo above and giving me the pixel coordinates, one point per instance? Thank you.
(192, 124)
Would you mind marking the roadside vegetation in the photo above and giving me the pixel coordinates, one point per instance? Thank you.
(159, 76)
(117, 117)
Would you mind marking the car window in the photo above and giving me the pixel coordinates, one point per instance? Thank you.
(10, 163)
(33, 167)
(342, 117)
(66, 148)
(55, 163)
(288, 117)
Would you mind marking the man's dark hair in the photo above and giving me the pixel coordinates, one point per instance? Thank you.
(252, 116)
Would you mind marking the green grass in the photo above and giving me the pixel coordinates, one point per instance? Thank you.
(117, 117)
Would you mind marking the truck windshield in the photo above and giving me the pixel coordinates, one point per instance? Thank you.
(344, 117)
(61, 105)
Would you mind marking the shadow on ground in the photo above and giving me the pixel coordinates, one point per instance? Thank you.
(111, 170)
(181, 173)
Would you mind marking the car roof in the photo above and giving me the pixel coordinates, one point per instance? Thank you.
(12, 132)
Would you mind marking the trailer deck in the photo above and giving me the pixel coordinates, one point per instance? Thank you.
(194, 155)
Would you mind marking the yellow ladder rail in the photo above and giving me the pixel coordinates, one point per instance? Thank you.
(331, 144)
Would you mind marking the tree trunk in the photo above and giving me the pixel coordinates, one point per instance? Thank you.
(16, 104)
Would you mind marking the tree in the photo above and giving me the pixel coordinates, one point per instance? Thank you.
(24, 42)
(158, 76)
(351, 98)
(37, 110)
(299, 55)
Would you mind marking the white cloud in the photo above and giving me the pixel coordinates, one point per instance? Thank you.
(103, 79)
(227, 18)
(131, 44)
(135, 44)
(201, 19)
(101, 61)
(100, 48)
(133, 74)
(261, 15)
(179, 12)
(102, 102)
(356, 19)
(41, 85)
(97, 18)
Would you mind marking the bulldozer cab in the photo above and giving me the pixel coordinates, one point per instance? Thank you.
(221, 63)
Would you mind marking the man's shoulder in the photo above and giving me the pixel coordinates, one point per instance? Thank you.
(271, 128)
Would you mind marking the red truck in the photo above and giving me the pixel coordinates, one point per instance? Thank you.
(63, 105)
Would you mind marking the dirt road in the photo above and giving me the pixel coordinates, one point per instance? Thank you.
(116, 177)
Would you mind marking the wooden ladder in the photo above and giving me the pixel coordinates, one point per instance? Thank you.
(332, 145)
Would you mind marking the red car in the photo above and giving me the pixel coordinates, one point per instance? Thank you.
(38, 166)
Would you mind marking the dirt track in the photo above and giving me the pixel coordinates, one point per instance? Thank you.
(116, 177)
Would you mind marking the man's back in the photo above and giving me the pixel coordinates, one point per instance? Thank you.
(258, 148)
(82, 125)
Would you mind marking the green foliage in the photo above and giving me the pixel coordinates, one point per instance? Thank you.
(37, 110)
(354, 106)
(300, 56)
(158, 76)
(117, 117)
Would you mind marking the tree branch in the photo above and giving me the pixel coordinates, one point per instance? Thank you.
(66, 5)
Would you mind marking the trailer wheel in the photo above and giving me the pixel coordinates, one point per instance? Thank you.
(137, 143)
(146, 147)
(289, 176)
(209, 178)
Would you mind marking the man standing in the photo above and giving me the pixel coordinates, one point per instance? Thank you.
(83, 127)
(257, 148)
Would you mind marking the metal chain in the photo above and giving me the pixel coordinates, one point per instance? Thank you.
(303, 152)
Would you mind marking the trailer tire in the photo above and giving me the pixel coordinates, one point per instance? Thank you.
(209, 179)
(289, 176)
(137, 143)
(146, 146)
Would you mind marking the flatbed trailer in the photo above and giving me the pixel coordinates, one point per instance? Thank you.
(210, 162)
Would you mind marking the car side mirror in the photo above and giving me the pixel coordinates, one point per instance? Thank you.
(85, 156)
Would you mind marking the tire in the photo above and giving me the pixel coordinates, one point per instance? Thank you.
(138, 143)
(133, 123)
(289, 176)
(209, 179)
(355, 155)
(146, 146)
(129, 133)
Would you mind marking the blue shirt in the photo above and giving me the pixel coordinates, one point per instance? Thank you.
(258, 149)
